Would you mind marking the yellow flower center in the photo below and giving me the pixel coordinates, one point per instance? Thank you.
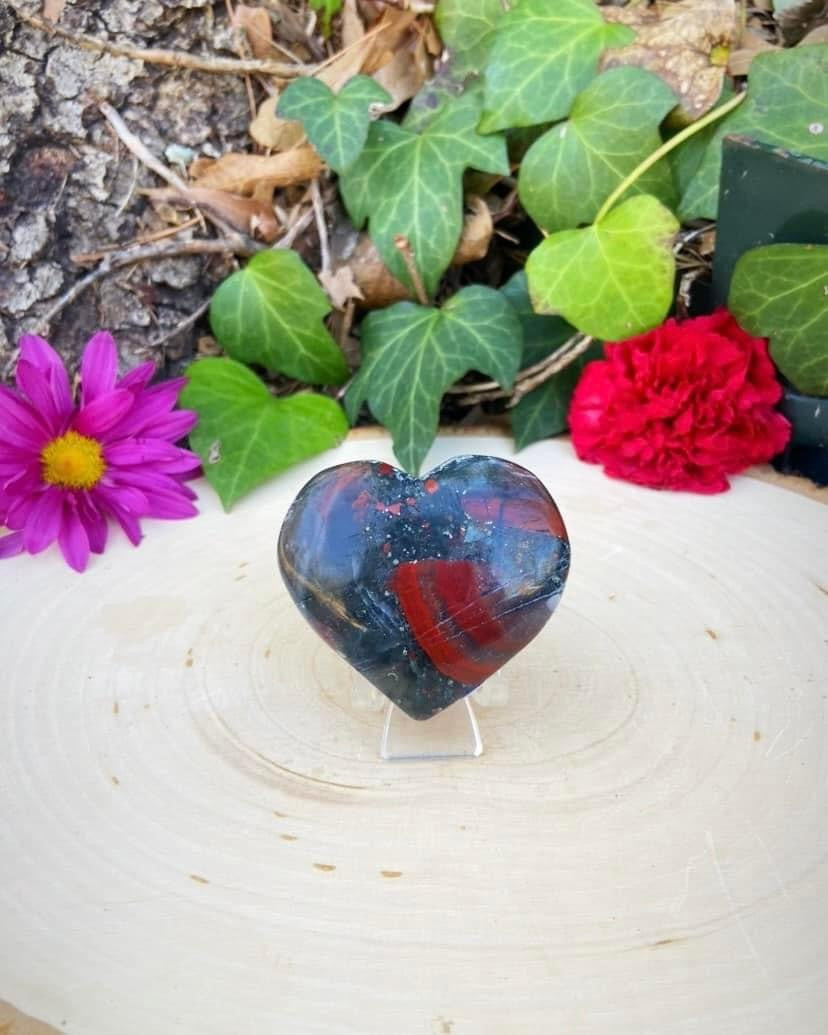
(73, 461)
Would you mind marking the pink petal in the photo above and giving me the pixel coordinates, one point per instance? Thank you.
(26, 480)
(150, 406)
(41, 355)
(104, 413)
(73, 540)
(170, 505)
(175, 426)
(11, 545)
(150, 480)
(20, 425)
(121, 496)
(11, 462)
(125, 518)
(138, 378)
(44, 520)
(99, 366)
(18, 512)
(157, 452)
(94, 522)
(35, 385)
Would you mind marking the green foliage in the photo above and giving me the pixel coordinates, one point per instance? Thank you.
(786, 105)
(596, 175)
(543, 55)
(327, 9)
(336, 123)
(567, 174)
(541, 334)
(781, 292)
(467, 28)
(244, 435)
(412, 353)
(613, 279)
(410, 184)
(271, 313)
(543, 412)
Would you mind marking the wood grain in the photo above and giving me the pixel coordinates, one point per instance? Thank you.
(197, 834)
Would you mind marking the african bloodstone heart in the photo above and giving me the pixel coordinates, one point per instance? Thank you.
(425, 586)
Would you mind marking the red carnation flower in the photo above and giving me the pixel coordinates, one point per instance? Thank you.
(680, 407)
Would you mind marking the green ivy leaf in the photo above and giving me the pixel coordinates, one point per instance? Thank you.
(613, 126)
(541, 334)
(780, 292)
(467, 28)
(786, 105)
(543, 412)
(327, 8)
(686, 158)
(412, 353)
(613, 279)
(244, 435)
(543, 55)
(410, 184)
(271, 313)
(336, 123)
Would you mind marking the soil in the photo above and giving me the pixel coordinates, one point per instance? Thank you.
(68, 186)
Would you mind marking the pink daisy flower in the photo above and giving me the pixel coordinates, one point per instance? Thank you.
(66, 466)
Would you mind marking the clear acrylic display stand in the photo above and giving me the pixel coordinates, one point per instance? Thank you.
(453, 733)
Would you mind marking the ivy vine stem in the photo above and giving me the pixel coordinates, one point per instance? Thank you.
(666, 148)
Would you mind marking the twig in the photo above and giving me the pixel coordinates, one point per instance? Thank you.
(173, 58)
(129, 256)
(528, 379)
(190, 320)
(240, 242)
(302, 223)
(128, 196)
(139, 148)
(85, 258)
(403, 246)
(322, 230)
(580, 343)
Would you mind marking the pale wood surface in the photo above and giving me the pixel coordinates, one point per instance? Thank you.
(197, 836)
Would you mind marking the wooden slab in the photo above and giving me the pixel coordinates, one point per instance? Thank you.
(197, 835)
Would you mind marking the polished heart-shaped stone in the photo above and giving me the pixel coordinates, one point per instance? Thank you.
(426, 586)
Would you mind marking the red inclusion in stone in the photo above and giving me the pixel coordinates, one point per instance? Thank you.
(441, 599)
(530, 515)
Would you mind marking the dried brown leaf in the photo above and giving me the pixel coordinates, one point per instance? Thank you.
(241, 173)
(352, 28)
(53, 9)
(817, 35)
(255, 21)
(276, 134)
(686, 43)
(405, 71)
(798, 19)
(477, 233)
(751, 43)
(245, 214)
(340, 286)
(377, 284)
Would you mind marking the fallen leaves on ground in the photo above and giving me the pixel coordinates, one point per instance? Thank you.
(686, 43)
(248, 215)
(255, 21)
(240, 173)
(276, 134)
(376, 287)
